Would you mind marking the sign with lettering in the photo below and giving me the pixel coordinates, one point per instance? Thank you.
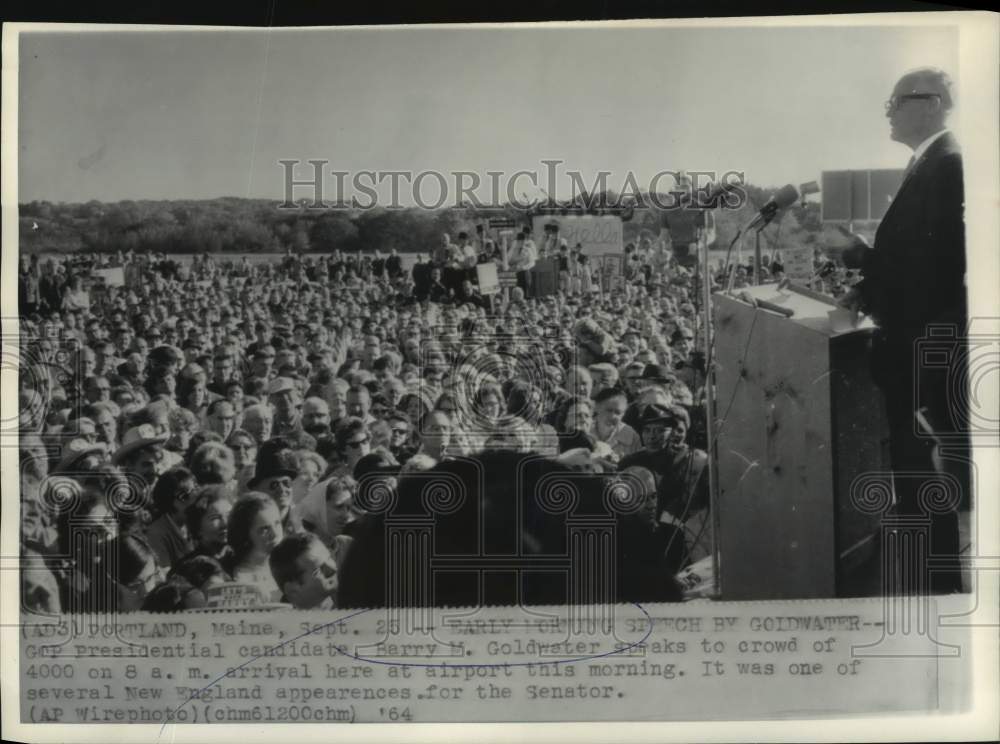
(507, 278)
(234, 596)
(798, 263)
(596, 235)
(501, 222)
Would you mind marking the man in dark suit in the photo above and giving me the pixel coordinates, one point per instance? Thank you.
(914, 278)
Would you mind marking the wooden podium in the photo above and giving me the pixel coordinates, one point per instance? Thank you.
(799, 419)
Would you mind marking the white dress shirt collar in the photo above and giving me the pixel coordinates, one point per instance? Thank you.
(922, 147)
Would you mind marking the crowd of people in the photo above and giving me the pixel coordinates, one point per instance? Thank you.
(213, 425)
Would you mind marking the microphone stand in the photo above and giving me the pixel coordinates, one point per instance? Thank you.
(766, 215)
(761, 220)
(756, 256)
(730, 276)
(710, 426)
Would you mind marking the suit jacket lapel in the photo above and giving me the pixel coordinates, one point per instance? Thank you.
(937, 145)
(945, 140)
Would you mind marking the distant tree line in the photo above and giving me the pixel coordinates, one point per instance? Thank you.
(234, 225)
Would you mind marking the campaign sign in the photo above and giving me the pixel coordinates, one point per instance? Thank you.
(507, 278)
(234, 596)
(596, 234)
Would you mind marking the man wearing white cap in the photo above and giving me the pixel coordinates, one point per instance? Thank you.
(286, 401)
(80, 454)
(142, 454)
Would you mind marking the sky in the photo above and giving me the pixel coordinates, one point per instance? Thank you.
(202, 114)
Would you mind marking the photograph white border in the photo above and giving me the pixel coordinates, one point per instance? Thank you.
(977, 77)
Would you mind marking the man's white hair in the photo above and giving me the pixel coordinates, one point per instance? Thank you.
(932, 80)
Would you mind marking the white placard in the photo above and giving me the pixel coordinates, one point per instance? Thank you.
(596, 235)
(489, 282)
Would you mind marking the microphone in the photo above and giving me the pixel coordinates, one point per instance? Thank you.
(785, 197)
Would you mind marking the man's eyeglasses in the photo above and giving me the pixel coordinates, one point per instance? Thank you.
(325, 571)
(655, 429)
(893, 103)
(358, 443)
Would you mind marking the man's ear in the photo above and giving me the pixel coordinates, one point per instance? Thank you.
(291, 590)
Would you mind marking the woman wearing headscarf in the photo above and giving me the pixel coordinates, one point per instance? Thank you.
(328, 511)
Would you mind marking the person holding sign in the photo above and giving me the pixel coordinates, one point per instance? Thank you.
(468, 294)
(75, 297)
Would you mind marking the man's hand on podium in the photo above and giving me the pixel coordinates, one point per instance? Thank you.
(856, 252)
(852, 300)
